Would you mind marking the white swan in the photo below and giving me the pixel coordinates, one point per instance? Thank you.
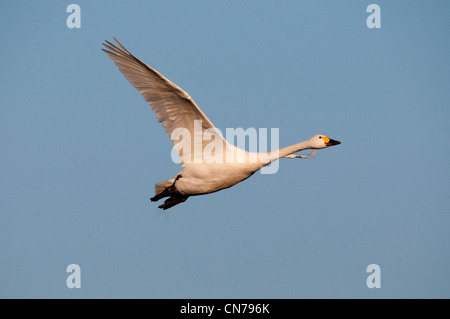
(174, 108)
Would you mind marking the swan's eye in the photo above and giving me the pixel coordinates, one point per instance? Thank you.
(320, 136)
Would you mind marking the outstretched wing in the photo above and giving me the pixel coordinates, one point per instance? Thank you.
(174, 108)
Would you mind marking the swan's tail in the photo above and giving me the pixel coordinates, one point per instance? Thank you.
(160, 187)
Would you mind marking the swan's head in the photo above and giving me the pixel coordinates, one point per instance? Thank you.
(322, 141)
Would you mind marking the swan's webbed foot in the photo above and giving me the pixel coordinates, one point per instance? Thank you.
(156, 198)
(165, 193)
(173, 200)
(310, 155)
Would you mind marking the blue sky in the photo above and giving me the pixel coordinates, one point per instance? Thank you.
(81, 150)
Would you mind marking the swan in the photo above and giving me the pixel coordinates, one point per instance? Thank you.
(175, 109)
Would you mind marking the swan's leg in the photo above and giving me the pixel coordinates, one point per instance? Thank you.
(169, 191)
(310, 155)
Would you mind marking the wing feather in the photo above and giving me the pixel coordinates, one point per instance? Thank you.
(174, 108)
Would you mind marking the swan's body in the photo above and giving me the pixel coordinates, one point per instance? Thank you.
(205, 178)
(175, 109)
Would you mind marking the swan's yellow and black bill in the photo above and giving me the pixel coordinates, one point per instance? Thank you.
(332, 142)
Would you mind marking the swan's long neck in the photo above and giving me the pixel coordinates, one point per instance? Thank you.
(282, 152)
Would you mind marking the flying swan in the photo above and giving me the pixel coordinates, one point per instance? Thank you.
(224, 167)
